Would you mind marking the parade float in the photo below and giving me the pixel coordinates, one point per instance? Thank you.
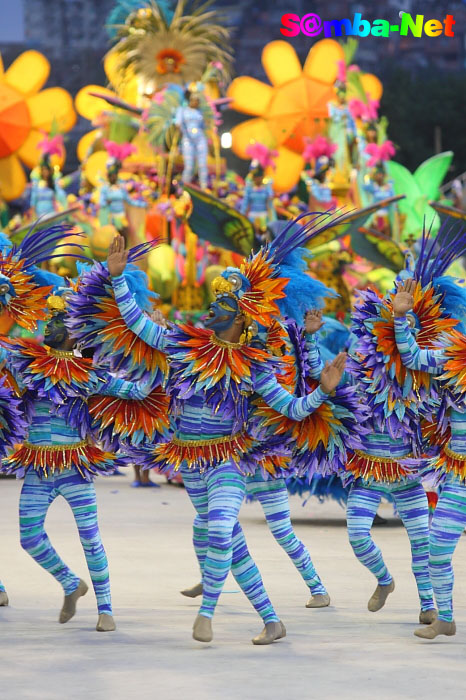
(152, 165)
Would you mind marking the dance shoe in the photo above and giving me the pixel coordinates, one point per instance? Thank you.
(379, 597)
(435, 628)
(426, 617)
(202, 629)
(271, 632)
(321, 600)
(69, 604)
(193, 592)
(105, 623)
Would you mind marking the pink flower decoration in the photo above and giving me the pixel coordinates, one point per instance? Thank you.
(367, 111)
(341, 71)
(218, 65)
(51, 145)
(357, 108)
(263, 155)
(377, 153)
(159, 97)
(320, 146)
(119, 151)
(353, 68)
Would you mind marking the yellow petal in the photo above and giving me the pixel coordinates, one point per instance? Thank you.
(125, 82)
(144, 152)
(248, 132)
(86, 142)
(289, 167)
(29, 153)
(50, 106)
(88, 106)
(12, 178)
(281, 62)
(372, 86)
(322, 61)
(250, 96)
(28, 73)
(1, 66)
(96, 167)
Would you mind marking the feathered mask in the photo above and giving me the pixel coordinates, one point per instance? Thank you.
(258, 284)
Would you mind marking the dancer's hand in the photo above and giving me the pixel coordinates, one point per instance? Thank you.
(404, 298)
(158, 318)
(313, 321)
(117, 256)
(332, 373)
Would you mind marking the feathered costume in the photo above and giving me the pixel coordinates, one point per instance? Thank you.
(448, 429)
(209, 383)
(176, 49)
(399, 397)
(57, 455)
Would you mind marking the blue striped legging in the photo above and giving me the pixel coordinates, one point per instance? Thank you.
(219, 540)
(36, 497)
(447, 527)
(411, 503)
(2, 587)
(272, 494)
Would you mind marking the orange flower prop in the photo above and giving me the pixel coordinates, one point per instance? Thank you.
(293, 107)
(25, 113)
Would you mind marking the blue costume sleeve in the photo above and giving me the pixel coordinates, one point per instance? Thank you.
(136, 320)
(315, 364)
(412, 355)
(124, 389)
(245, 203)
(280, 400)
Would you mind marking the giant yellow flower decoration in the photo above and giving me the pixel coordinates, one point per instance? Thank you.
(123, 84)
(293, 107)
(25, 112)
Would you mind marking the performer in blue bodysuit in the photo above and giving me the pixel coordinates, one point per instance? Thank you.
(212, 373)
(449, 467)
(194, 145)
(47, 196)
(257, 203)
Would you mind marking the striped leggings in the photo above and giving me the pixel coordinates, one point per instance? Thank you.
(195, 150)
(273, 497)
(2, 587)
(448, 525)
(36, 497)
(411, 503)
(219, 541)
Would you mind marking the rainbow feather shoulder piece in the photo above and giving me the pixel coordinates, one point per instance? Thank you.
(13, 427)
(223, 372)
(396, 396)
(94, 319)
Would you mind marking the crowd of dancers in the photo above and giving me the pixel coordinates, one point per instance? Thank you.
(237, 405)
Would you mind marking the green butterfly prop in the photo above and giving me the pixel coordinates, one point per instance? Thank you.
(378, 249)
(419, 188)
(225, 227)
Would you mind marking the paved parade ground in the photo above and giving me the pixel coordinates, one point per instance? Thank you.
(338, 652)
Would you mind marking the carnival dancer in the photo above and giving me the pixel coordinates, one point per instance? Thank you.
(190, 120)
(47, 194)
(398, 399)
(268, 484)
(113, 195)
(58, 457)
(212, 373)
(378, 187)
(449, 520)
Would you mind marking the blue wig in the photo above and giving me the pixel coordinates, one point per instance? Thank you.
(5, 244)
(454, 299)
(303, 292)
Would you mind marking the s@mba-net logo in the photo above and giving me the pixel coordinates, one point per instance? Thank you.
(313, 25)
